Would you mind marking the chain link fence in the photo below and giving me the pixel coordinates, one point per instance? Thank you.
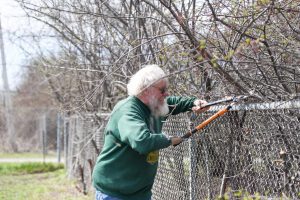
(252, 149)
(83, 139)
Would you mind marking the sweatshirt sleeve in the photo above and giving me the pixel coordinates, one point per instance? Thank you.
(180, 104)
(134, 132)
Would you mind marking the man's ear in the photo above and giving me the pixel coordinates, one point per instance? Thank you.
(145, 95)
(146, 92)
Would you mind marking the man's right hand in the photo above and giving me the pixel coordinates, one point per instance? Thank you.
(176, 140)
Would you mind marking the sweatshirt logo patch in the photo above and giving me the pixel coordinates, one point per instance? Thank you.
(152, 157)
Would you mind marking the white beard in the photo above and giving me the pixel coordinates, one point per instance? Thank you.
(157, 109)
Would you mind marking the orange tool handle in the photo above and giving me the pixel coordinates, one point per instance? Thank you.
(206, 122)
(213, 117)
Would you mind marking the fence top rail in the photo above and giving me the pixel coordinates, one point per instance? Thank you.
(292, 104)
(278, 105)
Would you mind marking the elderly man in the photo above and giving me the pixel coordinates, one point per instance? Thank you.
(127, 164)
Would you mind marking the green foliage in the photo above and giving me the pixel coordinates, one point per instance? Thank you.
(257, 196)
(202, 44)
(229, 55)
(214, 62)
(28, 168)
(225, 197)
(240, 194)
(184, 54)
(162, 57)
(263, 2)
(200, 58)
(248, 40)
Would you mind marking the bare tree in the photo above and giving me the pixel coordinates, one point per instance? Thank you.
(210, 48)
(219, 47)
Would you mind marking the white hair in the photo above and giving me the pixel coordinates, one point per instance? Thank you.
(144, 78)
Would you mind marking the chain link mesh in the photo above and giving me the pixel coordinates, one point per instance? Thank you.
(85, 138)
(256, 151)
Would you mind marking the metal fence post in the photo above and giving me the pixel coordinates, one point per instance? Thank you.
(66, 127)
(207, 165)
(44, 136)
(192, 170)
(58, 135)
(72, 125)
(41, 134)
(193, 167)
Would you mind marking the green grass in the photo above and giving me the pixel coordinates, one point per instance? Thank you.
(26, 182)
(28, 168)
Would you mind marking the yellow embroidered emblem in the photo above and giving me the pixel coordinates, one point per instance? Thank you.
(152, 157)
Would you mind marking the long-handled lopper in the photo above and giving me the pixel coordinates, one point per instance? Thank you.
(216, 115)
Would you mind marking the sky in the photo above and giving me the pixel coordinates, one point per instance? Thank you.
(12, 21)
(19, 46)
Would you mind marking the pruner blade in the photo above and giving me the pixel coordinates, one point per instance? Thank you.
(239, 98)
(233, 99)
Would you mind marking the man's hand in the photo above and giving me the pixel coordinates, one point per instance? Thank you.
(199, 104)
(176, 140)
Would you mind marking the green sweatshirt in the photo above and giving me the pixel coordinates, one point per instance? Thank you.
(127, 164)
